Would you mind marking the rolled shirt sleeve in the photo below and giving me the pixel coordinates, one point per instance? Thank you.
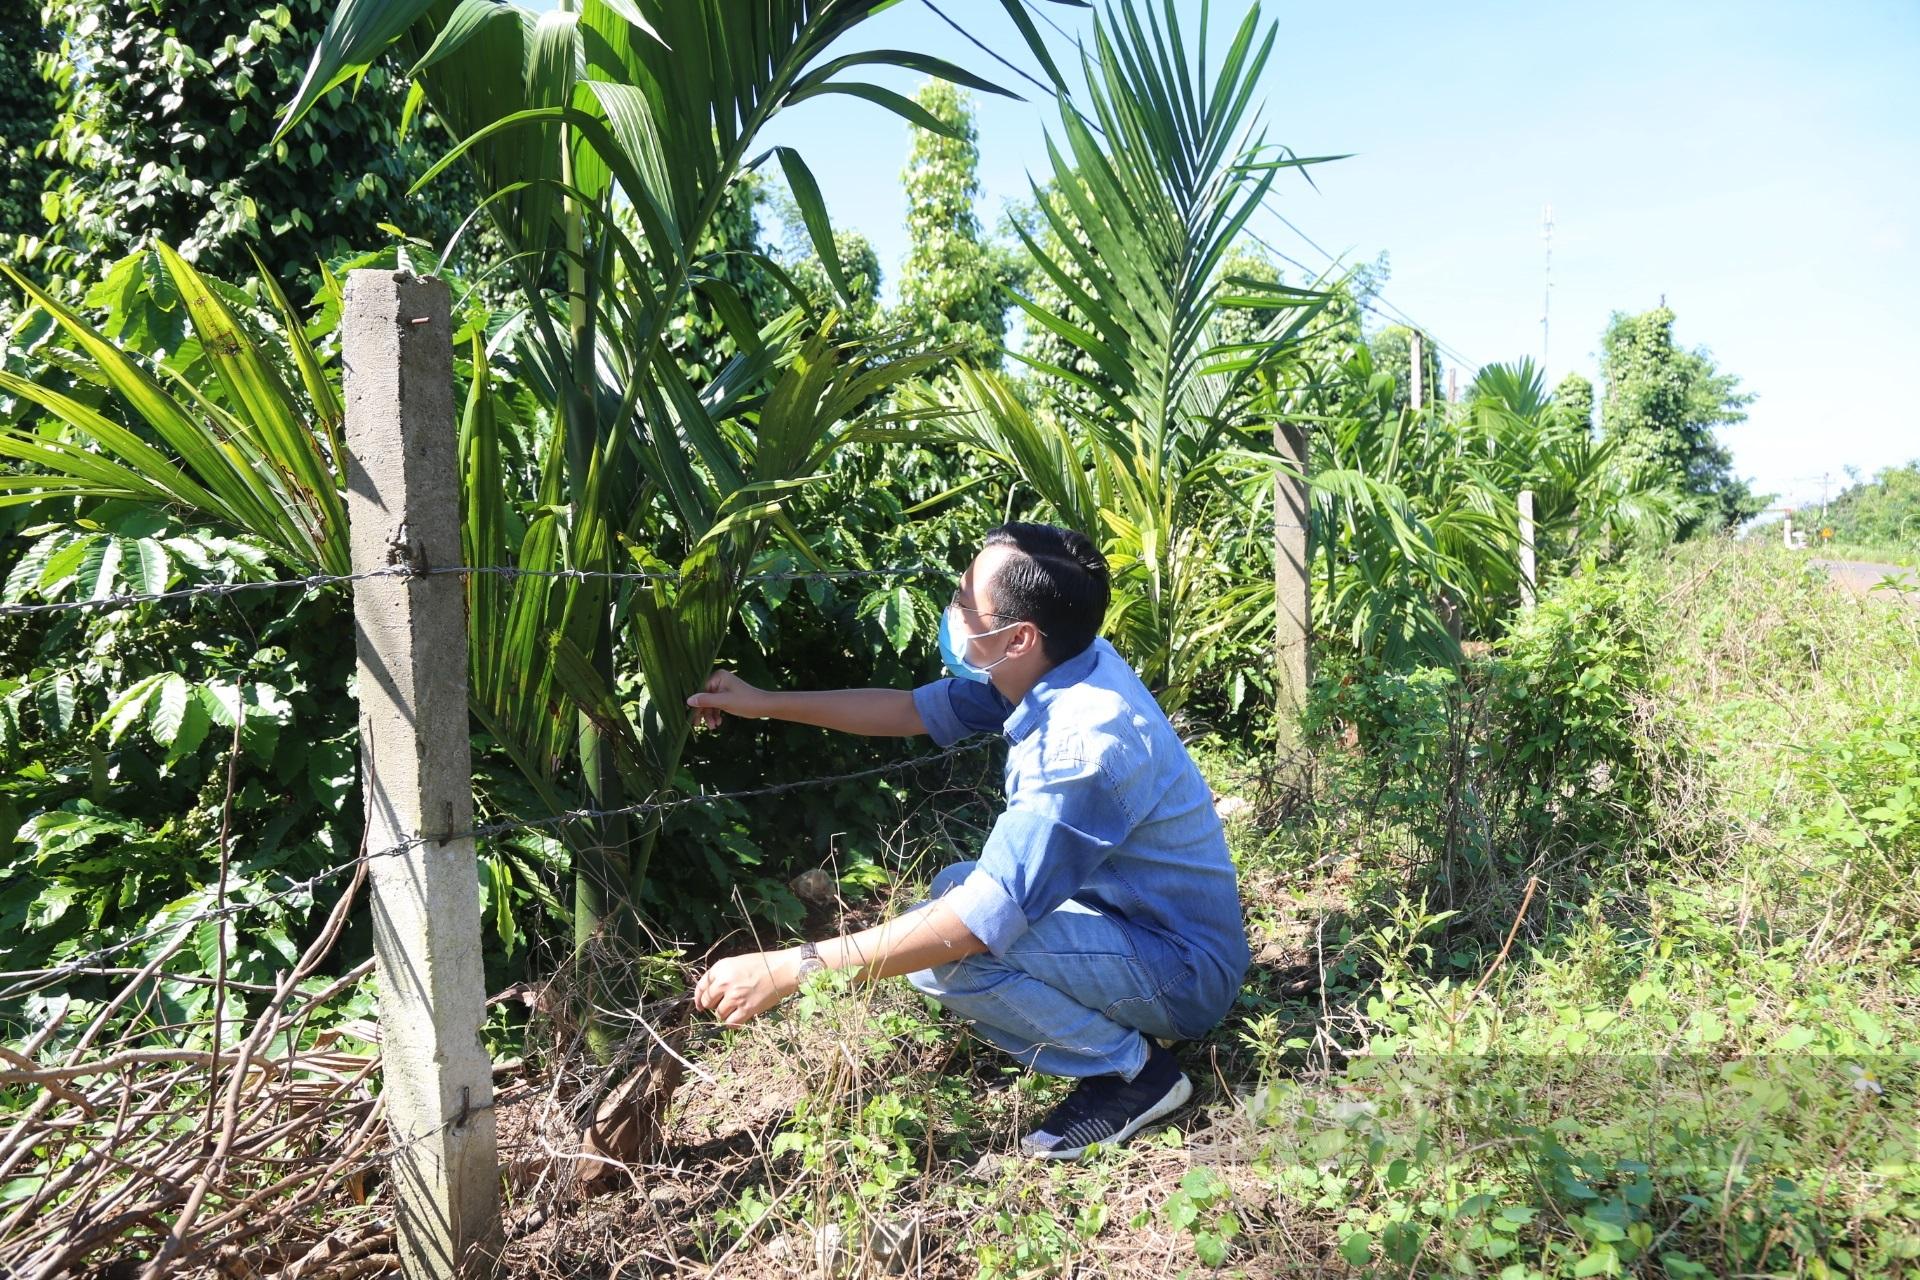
(1058, 827)
(955, 709)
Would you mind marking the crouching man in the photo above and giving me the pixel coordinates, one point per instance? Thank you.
(1102, 916)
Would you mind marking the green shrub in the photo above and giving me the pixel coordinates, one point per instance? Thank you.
(1528, 761)
(1569, 691)
(1859, 835)
(1702, 1065)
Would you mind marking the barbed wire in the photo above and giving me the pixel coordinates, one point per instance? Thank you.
(310, 582)
(784, 575)
(35, 979)
(27, 981)
(315, 581)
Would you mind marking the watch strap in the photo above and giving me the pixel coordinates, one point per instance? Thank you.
(810, 961)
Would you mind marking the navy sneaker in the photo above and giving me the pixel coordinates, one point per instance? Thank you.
(1109, 1110)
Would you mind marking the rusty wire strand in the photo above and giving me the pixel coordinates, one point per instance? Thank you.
(315, 581)
(24, 981)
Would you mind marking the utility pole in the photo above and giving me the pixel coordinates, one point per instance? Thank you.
(1546, 301)
(1416, 396)
(1453, 384)
(1825, 476)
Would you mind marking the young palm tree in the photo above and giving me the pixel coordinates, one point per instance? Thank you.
(1588, 497)
(1404, 525)
(1157, 179)
(1416, 526)
(238, 446)
(651, 108)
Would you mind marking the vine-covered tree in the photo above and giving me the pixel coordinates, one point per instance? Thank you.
(861, 263)
(1663, 402)
(165, 132)
(1392, 349)
(1573, 401)
(858, 260)
(1241, 325)
(953, 288)
(27, 111)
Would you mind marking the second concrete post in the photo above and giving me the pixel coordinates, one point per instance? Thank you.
(1292, 596)
(1528, 581)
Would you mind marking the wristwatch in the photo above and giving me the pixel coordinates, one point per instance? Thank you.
(810, 963)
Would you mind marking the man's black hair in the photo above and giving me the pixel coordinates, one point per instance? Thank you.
(1058, 581)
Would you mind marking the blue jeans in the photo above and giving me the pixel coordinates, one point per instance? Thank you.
(1075, 995)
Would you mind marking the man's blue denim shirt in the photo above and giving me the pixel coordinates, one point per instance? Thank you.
(1104, 805)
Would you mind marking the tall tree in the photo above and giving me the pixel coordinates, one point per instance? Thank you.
(1663, 403)
(27, 110)
(1573, 401)
(166, 133)
(953, 290)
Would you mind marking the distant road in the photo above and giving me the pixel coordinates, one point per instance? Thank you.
(1860, 578)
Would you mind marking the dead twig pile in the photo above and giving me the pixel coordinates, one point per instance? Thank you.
(152, 1144)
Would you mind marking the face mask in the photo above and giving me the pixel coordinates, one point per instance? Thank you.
(953, 649)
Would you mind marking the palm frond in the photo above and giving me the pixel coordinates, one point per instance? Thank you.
(246, 453)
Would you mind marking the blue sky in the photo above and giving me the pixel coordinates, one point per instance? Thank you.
(1758, 164)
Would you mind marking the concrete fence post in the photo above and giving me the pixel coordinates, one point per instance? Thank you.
(1529, 582)
(1292, 594)
(1417, 386)
(403, 505)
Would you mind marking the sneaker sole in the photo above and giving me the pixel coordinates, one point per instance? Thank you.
(1172, 1101)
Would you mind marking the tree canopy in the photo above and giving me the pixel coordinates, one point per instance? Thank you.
(953, 290)
(1573, 401)
(1663, 403)
(27, 110)
(167, 111)
(1881, 512)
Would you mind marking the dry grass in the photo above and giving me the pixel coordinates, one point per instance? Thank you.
(963, 1197)
(856, 1131)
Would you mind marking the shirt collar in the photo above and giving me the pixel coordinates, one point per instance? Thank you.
(1030, 710)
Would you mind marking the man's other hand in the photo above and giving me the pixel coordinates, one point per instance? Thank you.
(726, 694)
(742, 987)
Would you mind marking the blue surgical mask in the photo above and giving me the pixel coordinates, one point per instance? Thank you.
(953, 650)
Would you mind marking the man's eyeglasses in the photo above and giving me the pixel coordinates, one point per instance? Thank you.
(957, 603)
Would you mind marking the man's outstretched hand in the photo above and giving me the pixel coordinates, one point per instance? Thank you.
(726, 694)
(743, 987)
